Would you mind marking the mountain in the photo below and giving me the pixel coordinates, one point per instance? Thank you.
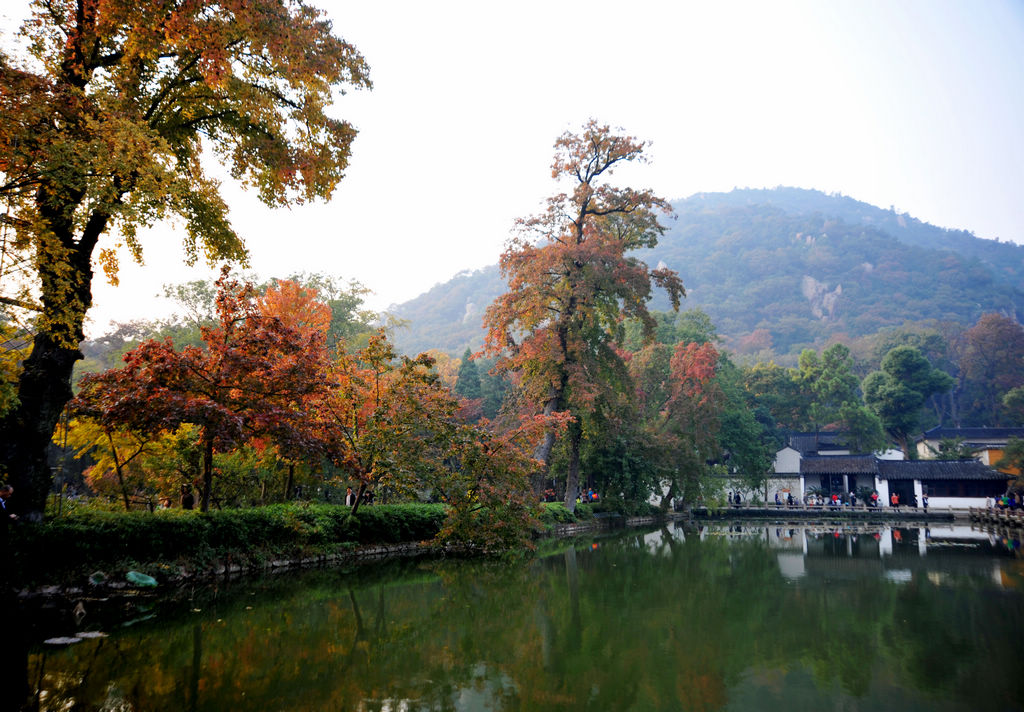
(787, 265)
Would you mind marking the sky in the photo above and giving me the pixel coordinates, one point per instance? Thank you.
(913, 104)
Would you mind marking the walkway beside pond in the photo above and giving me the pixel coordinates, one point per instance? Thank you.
(846, 513)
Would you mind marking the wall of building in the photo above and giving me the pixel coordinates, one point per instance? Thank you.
(955, 502)
(787, 461)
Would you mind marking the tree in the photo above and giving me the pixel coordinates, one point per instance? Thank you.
(467, 384)
(571, 284)
(778, 390)
(1012, 462)
(898, 391)
(104, 130)
(953, 449)
(486, 486)
(1013, 403)
(830, 382)
(385, 420)
(670, 328)
(113, 451)
(693, 414)
(747, 445)
(991, 364)
(251, 380)
(676, 422)
(863, 428)
(390, 424)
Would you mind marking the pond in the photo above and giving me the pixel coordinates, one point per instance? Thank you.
(742, 617)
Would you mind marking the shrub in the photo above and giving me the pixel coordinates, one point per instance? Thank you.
(88, 540)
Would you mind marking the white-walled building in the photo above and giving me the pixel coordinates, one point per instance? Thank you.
(820, 462)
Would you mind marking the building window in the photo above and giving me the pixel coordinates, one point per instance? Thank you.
(964, 488)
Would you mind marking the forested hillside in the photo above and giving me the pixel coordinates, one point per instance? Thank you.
(783, 269)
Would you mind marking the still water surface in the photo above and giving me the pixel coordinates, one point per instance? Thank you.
(681, 618)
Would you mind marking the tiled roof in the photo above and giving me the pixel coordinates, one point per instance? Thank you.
(839, 465)
(806, 443)
(937, 470)
(973, 434)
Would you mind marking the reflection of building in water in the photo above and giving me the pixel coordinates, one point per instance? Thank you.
(897, 554)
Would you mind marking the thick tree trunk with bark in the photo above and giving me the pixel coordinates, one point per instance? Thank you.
(359, 498)
(25, 432)
(542, 452)
(290, 483)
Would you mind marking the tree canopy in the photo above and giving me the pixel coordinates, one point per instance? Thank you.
(899, 390)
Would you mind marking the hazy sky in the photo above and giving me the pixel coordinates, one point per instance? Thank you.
(916, 105)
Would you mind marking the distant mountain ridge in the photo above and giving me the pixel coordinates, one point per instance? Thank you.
(786, 266)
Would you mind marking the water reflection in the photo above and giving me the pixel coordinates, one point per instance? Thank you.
(894, 552)
(678, 618)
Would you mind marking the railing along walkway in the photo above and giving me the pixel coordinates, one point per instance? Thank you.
(999, 517)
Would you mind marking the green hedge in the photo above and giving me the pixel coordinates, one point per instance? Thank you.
(553, 513)
(75, 545)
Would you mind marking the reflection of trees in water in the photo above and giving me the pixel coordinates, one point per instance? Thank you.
(643, 623)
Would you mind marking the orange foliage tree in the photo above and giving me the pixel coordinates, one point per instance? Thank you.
(571, 285)
(383, 421)
(392, 425)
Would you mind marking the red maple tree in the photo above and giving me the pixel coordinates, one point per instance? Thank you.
(251, 379)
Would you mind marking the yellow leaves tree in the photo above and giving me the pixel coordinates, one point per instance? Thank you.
(113, 451)
(104, 128)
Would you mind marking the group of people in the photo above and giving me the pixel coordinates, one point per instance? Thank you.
(1004, 501)
(790, 501)
(351, 497)
(836, 500)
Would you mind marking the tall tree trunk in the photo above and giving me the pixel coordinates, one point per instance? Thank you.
(542, 452)
(120, 472)
(359, 498)
(290, 483)
(25, 432)
(204, 505)
(572, 477)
